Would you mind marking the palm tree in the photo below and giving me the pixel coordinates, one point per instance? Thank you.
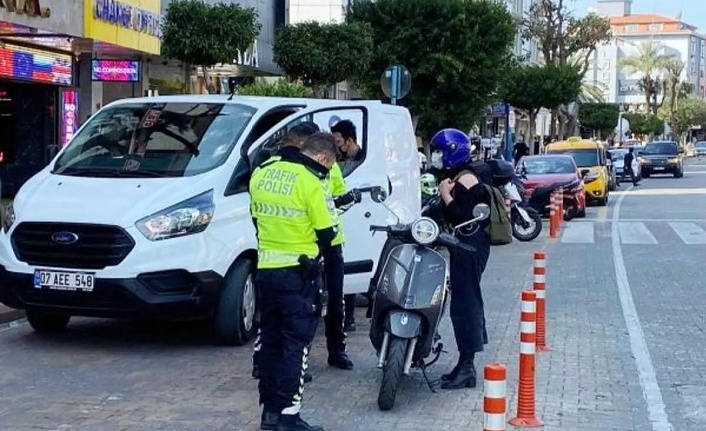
(675, 88)
(592, 92)
(648, 62)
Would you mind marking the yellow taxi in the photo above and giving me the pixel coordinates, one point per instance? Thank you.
(590, 157)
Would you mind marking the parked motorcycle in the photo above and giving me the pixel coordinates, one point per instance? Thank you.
(526, 221)
(410, 297)
(540, 200)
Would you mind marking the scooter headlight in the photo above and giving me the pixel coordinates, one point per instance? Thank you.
(425, 230)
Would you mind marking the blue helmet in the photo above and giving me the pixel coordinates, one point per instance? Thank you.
(455, 147)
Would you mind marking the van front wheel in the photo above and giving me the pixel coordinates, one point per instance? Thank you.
(234, 322)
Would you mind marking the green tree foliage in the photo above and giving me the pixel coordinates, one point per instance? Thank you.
(280, 88)
(457, 52)
(645, 124)
(600, 118)
(565, 39)
(690, 112)
(323, 54)
(201, 34)
(534, 87)
(647, 62)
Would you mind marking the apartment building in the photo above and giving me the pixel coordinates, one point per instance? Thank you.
(677, 38)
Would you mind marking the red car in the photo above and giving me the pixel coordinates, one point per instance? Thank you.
(544, 173)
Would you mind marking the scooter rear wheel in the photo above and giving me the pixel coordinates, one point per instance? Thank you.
(392, 372)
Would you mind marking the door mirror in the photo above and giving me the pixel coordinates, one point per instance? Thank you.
(481, 212)
(378, 195)
(585, 172)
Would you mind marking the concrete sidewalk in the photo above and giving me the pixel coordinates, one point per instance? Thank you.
(8, 314)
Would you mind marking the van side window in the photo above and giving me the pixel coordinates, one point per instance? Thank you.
(325, 119)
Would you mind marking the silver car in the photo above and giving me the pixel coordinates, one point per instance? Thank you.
(700, 149)
(618, 155)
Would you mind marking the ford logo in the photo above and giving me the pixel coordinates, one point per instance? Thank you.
(64, 238)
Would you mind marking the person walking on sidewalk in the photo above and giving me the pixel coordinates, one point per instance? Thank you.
(291, 207)
(461, 191)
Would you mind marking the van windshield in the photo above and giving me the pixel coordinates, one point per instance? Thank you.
(582, 158)
(155, 140)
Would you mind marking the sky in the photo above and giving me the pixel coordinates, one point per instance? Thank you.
(693, 11)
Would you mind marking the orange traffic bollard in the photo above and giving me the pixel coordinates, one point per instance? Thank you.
(539, 285)
(495, 397)
(552, 215)
(526, 391)
(560, 204)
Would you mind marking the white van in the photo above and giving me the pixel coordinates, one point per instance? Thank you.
(146, 212)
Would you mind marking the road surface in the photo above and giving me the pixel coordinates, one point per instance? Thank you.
(626, 327)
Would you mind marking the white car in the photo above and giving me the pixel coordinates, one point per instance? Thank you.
(700, 149)
(146, 212)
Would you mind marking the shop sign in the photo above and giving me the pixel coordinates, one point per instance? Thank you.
(35, 65)
(68, 120)
(115, 70)
(127, 16)
(26, 7)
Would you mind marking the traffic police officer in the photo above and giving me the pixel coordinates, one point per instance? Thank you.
(293, 212)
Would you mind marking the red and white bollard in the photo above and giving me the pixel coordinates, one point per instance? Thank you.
(539, 284)
(526, 391)
(560, 205)
(552, 215)
(495, 397)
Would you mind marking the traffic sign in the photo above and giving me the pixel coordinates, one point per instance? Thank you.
(396, 82)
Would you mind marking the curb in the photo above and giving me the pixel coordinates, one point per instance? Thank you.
(7, 315)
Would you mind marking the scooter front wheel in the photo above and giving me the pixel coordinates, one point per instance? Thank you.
(392, 372)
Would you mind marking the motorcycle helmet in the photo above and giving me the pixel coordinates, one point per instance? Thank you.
(455, 147)
(429, 185)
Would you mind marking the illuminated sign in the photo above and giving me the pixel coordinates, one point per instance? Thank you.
(18, 62)
(115, 70)
(68, 115)
(127, 16)
(26, 7)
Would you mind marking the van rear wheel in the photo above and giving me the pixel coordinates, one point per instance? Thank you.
(47, 323)
(234, 323)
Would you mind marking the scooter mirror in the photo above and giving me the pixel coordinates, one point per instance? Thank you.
(481, 212)
(378, 195)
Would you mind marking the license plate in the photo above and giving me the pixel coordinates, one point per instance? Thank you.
(64, 280)
(658, 168)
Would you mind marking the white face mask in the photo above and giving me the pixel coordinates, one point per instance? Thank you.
(436, 160)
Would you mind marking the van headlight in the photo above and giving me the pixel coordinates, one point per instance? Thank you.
(425, 230)
(591, 176)
(8, 217)
(188, 217)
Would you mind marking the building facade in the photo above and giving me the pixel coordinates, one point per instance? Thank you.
(170, 76)
(675, 38)
(60, 60)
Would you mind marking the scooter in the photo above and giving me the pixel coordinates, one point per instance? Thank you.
(410, 297)
(526, 221)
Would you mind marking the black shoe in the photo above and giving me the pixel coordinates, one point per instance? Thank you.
(349, 327)
(340, 361)
(465, 376)
(452, 375)
(295, 423)
(269, 420)
(308, 378)
(255, 372)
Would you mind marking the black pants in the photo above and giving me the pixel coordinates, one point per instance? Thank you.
(629, 171)
(335, 311)
(349, 302)
(288, 319)
(466, 309)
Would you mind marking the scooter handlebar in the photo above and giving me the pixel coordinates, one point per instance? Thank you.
(450, 241)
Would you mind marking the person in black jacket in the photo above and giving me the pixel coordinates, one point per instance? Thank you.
(461, 191)
(627, 166)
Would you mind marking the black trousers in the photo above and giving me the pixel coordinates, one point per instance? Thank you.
(288, 319)
(335, 310)
(629, 171)
(466, 308)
